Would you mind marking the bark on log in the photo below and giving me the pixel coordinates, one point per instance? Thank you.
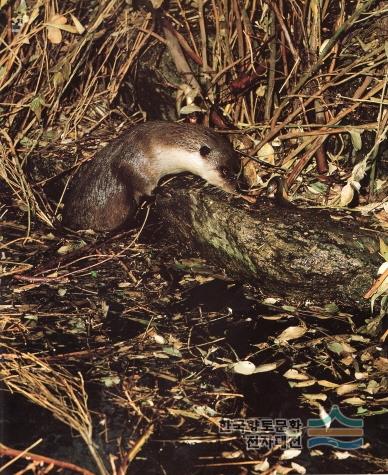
(302, 254)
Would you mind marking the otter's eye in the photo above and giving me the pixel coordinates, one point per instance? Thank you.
(204, 150)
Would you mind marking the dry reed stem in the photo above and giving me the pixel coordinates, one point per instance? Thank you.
(38, 459)
(74, 86)
(62, 394)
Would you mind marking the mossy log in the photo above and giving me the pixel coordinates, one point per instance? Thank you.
(301, 254)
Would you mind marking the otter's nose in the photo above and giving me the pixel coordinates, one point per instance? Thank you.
(227, 173)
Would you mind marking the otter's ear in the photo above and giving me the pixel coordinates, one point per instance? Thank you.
(204, 150)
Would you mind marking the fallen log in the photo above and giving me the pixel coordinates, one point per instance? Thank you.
(305, 255)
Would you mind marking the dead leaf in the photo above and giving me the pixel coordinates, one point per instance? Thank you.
(262, 466)
(267, 154)
(381, 364)
(124, 285)
(294, 374)
(264, 368)
(244, 367)
(298, 468)
(354, 401)
(78, 25)
(190, 109)
(382, 216)
(347, 194)
(250, 172)
(373, 387)
(340, 347)
(291, 333)
(358, 375)
(327, 384)
(54, 34)
(71, 247)
(346, 388)
(235, 454)
(347, 360)
(342, 455)
(159, 339)
(358, 171)
(304, 384)
(315, 397)
(290, 454)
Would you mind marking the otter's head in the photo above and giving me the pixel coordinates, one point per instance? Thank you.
(196, 149)
(214, 158)
(218, 168)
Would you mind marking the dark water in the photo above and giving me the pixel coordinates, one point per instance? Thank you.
(265, 395)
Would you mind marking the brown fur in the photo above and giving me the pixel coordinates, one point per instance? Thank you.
(105, 192)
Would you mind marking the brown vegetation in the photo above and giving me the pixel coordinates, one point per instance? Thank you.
(301, 87)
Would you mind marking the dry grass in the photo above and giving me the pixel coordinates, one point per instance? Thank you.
(293, 80)
(54, 389)
(295, 69)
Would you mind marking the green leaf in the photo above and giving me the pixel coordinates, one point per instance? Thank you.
(356, 139)
(110, 381)
(289, 308)
(36, 106)
(331, 308)
(169, 350)
(384, 249)
(335, 347)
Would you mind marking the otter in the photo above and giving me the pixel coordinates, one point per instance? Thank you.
(106, 190)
